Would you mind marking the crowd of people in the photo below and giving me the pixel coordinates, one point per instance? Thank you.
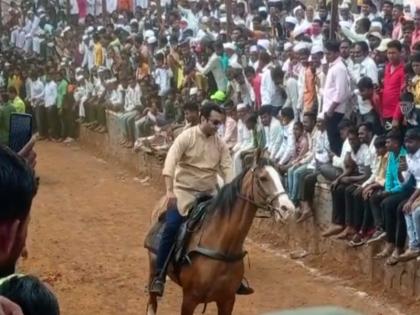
(329, 101)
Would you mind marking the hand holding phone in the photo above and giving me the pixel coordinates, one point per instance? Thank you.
(20, 132)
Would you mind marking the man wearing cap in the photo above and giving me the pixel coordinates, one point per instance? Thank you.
(86, 48)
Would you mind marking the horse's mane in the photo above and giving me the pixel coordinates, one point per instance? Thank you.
(228, 194)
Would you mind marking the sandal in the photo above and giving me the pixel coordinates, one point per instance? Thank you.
(392, 260)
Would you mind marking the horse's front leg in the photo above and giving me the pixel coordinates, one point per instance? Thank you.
(225, 306)
(189, 305)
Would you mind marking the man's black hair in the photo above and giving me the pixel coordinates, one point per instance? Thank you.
(413, 134)
(332, 45)
(33, 297)
(407, 97)
(266, 109)
(363, 46)
(191, 106)
(249, 70)
(252, 118)
(365, 83)
(353, 131)
(346, 40)
(208, 108)
(395, 135)
(345, 123)
(380, 141)
(18, 185)
(399, 7)
(364, 24)
(287, 112)
(395, 44)
(368, 125)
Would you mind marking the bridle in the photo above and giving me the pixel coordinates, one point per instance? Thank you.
(267, 205)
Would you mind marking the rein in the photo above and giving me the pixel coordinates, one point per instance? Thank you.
(266, 206)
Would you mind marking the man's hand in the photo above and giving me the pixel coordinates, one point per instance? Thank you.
(345, 180)
(170, 200)
(358, 190)
(29, 154)
(403, 166)
(330, 112)
(407, 208)
(7, 307)
(395, 123)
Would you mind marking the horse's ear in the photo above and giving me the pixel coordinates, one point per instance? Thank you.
(257, 157)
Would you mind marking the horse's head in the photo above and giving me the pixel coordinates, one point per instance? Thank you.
(269, 191)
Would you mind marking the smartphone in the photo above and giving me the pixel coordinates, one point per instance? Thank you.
(20, 131)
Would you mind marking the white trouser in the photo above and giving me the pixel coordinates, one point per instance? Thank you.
(28, 45)
(82, 112)
(36, 45)
(14, 37)
(20, 40)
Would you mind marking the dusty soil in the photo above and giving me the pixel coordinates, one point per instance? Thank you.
(86, 239)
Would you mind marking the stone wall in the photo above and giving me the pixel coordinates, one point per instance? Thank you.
(351, 262)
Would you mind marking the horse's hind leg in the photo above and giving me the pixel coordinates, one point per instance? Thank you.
(152, 302)
(225, 307)
(188, 305)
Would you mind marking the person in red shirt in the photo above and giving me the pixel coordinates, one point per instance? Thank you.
(255, 80)
(394, 81)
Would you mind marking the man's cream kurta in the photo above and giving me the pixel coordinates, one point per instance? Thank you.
(193, 161)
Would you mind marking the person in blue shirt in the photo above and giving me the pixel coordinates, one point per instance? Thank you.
(389, 220)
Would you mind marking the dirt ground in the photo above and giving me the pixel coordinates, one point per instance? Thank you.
(86, 239)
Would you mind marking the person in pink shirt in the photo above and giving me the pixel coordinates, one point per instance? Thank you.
(397, 16)
(230, 131)
(415, 37)
(254, 79)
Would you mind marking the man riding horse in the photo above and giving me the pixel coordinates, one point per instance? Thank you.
(192, 164)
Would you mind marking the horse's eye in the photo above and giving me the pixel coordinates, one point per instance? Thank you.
(263, 178)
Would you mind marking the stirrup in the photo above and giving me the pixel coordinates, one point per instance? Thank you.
(244, 288)
(157, 287)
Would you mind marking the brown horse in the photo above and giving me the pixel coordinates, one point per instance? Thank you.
(216, 268)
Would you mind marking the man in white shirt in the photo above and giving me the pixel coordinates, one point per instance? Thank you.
(332, 171)
(37, 103)
(132, 104)
(271, 93)
(50, 101)
(273, 130)
(336, 94)
(287, 147)
(342, 189)
(364, 65)
(214, 66)
(244, 138)
(162, 75)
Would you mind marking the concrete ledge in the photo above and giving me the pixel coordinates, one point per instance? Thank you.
(331, 255)
(107, 147)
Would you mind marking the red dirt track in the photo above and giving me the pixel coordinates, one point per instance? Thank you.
(86, 236)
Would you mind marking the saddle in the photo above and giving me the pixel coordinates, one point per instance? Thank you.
(193, 221)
